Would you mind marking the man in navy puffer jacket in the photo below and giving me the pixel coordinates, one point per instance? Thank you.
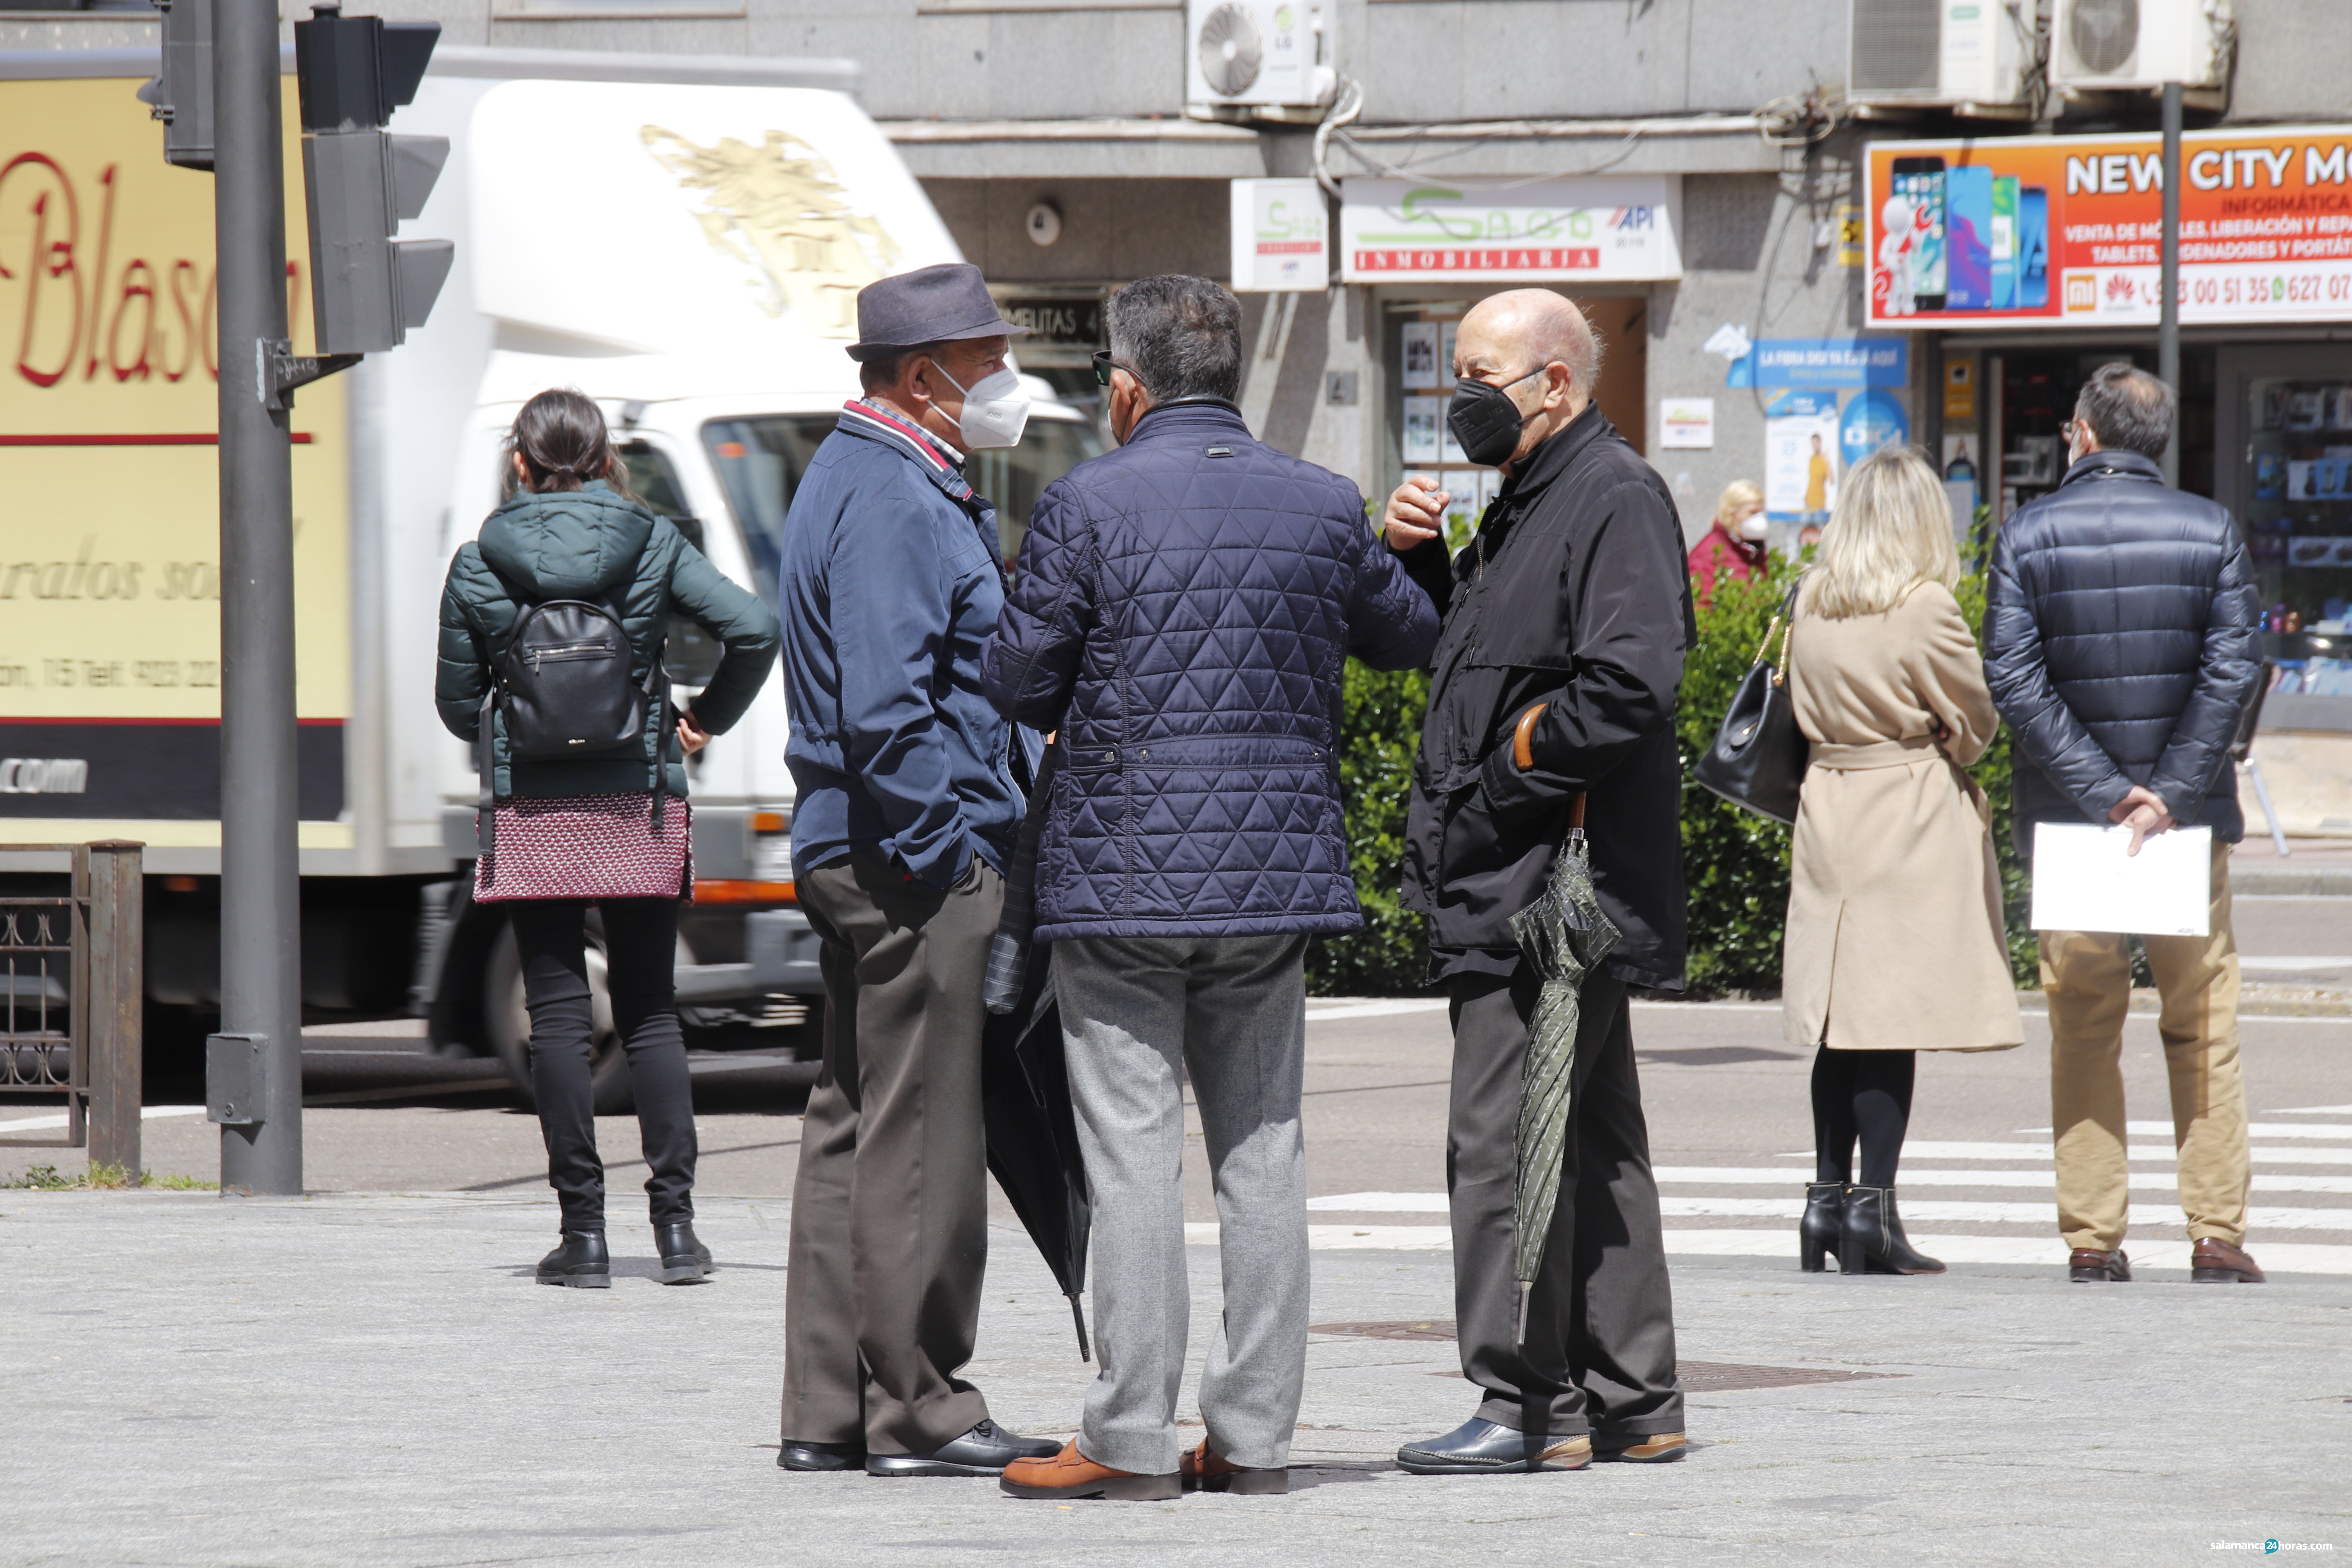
(2122, 644)
(1184, 608)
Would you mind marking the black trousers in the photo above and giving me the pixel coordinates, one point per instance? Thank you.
(1600, 1349)
(640, 955)
(890, 1205)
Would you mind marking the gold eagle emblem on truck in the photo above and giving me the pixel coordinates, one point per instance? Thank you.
(778, 209)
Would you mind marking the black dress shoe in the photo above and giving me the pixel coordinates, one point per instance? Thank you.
(1487, 1447)
(822, 1456)
(580, 1261)
(984, 1450)
(684, 1259)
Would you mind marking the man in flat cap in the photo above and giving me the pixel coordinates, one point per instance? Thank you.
(890, 582)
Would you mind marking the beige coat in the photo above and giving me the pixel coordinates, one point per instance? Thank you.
(1894, 939)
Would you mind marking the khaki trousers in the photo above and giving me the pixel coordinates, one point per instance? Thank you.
(2087, 976)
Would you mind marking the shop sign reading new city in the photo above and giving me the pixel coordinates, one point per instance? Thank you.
(1603, 229)
(2068, 230)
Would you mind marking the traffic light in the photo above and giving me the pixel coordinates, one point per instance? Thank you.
(367, 288)
(182, 97)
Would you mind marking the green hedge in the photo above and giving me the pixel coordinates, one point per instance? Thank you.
(1736, 863)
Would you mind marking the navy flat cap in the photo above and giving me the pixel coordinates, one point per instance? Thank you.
(929, 305)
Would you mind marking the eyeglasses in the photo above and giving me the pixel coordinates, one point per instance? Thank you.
(1105, 364)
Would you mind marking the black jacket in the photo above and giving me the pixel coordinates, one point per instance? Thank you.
(1573, 593)
(2123, 641)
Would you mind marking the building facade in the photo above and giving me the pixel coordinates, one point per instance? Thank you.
(1694, 172)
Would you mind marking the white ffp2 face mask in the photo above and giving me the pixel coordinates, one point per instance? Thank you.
(995, 409)
(1754, 528)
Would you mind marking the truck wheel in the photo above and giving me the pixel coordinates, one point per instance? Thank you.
(506, 1022)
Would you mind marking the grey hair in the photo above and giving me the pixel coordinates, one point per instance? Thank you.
(1583, 354)
(1180, 336)
(2128, 409)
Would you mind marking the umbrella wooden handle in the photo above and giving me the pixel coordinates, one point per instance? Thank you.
(1576, 811)
(1523, 739)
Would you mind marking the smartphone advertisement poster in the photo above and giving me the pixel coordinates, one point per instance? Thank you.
(2068, 230)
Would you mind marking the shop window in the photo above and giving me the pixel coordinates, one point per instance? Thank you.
(2299, 522)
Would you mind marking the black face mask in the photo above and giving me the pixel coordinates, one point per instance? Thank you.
(1486, 421)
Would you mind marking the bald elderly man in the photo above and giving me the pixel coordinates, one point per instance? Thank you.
(1568, 617)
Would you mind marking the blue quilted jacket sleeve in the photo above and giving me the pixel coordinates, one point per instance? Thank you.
(1392, 625)
(2017, 669)
(1030, 665)
(2230, 668)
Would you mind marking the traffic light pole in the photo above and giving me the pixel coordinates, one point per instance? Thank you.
(261, 959)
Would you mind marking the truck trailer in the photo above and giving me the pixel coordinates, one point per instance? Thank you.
(680, 237)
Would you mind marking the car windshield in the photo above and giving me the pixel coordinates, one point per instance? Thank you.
(760, 460)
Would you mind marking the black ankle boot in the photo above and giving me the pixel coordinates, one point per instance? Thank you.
(684, 1259)
(580, 1261)
(1872, 1240)
(1817, 1232)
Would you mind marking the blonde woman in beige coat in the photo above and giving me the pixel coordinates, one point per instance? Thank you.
(1894, 941)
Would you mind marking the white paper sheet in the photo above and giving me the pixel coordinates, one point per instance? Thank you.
(2084, 880)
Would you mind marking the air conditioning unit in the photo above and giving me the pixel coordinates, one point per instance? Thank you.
(1969, 55)
(2132, 46)
(1260, 60)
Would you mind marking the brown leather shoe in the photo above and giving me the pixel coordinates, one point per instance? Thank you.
(1646, 1448)
(1070, 1474)
(2089, 1265)
(1207, 1470)
(2214, 1261)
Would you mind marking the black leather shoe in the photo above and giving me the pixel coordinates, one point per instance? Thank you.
(684, 1259)
(1487, 1447)
(822, 1456)
(984, 1450)
(1817, 1232)
(1871, 1238)
(580, 1261)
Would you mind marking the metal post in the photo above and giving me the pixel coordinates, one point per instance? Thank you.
(115, 1001)
(2168, 331)
(260, 889)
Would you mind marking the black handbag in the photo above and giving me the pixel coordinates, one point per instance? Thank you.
(1758, 757)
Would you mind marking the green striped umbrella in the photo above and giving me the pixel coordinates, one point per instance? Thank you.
(1565, 936)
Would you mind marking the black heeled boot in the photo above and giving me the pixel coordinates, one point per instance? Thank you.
(1817, 1232)
(1872, 1240)
(684, 1259)
(580, 1261)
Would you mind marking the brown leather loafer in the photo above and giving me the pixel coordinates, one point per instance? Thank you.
(1204, 1469)
(2214, 1261)
(1646, 1448)
(2089, 1265)
(1070, 1474)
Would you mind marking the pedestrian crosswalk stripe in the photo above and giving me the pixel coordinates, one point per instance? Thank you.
(2314, 1110)
(2254, 1130)
(2271, 1153)
(2046, 1251)
(1910, 1176)
(1916, 1211)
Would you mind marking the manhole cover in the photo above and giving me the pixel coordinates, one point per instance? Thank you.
(1697, 1376)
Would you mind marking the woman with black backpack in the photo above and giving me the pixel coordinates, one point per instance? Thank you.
(552, 631)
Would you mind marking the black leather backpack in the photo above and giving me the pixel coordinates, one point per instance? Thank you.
(563, 691)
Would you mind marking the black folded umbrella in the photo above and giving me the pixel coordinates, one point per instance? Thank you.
(1025, 1088)
(1033, 1136)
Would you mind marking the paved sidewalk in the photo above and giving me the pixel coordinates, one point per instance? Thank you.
(374, 1379)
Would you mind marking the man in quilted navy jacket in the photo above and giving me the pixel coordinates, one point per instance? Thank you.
(1182, 614)
(2123, 644)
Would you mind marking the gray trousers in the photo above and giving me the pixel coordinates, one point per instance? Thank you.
(1599, 1351)
(890, 1208)
(1139, 1014)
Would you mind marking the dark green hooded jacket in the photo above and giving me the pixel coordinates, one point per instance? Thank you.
(584, 545)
